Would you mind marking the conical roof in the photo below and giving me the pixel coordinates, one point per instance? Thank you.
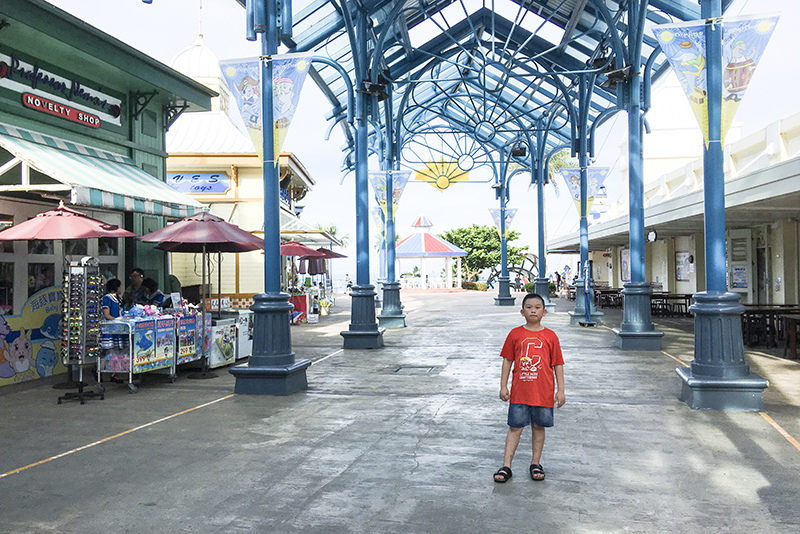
(196, 61)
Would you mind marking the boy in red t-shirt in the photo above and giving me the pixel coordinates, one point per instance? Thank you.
(535, 355)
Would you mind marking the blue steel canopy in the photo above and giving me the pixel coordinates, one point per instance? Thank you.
(486, 72)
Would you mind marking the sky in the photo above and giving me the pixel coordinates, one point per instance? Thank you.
(163, 28)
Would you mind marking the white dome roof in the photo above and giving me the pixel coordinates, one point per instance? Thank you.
(196, 61)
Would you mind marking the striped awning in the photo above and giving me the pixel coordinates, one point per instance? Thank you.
(93, 177)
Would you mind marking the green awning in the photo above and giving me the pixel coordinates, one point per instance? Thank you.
(93, 177)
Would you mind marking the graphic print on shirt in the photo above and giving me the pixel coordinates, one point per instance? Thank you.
(530, 362)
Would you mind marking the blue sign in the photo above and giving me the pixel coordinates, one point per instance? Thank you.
(200, 182)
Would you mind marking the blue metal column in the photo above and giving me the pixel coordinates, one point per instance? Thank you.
(391, 315)
(719, 378)
(503, 297)
(579, 314)
(364, 332)
(636, 332)
(538, 171)
(271, 369)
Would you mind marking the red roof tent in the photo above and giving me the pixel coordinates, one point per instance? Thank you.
(423, 244)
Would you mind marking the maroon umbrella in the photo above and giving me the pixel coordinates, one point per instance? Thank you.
(328, 254)
(192, 232)
(293, 248)
(62, 223)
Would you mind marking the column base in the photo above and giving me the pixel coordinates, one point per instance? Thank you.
(504, 301)
(267, 380)
(392, 321)
(576, 317)
(638, 340)
(354, 339)
(550, 307)
(728, 394)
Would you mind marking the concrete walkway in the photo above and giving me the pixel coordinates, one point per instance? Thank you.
(405, 439)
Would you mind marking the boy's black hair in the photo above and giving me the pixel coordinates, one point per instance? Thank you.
(529, 296)
(149, 284)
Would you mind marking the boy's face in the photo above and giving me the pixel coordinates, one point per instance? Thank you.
(533, 310)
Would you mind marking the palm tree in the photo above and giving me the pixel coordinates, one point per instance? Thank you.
(333, 230)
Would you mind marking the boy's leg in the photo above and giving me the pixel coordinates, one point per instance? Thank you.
(537, 442)
(512, 440)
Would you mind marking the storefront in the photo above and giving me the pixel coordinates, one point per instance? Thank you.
(82, 120)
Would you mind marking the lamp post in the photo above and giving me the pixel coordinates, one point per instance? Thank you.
(271, 369)
(719, 378)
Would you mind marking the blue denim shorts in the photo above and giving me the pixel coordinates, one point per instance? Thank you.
(522, 415)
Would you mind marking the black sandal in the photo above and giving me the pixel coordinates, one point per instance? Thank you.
(504, 473)
(537, 472)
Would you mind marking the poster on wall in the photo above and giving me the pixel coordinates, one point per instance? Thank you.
(625, 264)
(739, 276)
(30, 343)
(682, 266)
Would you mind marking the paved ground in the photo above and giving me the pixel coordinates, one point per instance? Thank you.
(405, 439)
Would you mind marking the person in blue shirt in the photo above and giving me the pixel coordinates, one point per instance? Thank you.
(152, 295)
(112, 300)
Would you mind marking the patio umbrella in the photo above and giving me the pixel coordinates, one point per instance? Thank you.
(316, 264)
(204, 233)
(62, 223)
(293, 248)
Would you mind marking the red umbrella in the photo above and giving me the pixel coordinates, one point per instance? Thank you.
(192, 232)
(293, 248)
(62, 223)
(328, 254)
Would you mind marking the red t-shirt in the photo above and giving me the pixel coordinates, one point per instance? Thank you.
(534, 355)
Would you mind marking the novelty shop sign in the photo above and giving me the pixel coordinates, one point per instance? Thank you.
(53, 94)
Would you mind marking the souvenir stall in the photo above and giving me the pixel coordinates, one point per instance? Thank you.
(206, 233)
(138, 343)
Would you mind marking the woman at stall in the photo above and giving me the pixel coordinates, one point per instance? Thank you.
(152, 295)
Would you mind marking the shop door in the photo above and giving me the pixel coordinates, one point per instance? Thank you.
(762, 276)
(740, 262)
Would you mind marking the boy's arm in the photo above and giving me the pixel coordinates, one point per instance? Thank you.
(560, 397)
(504, 394)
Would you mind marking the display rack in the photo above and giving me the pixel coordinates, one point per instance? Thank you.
(136, 346)
(80, 343)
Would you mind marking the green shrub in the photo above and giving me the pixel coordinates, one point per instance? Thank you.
(530, 287)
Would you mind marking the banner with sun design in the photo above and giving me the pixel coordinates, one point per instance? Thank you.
(572, 177)
(441, 174)
(743, 42)
(496, 214)
(243, 77)
(378, 180)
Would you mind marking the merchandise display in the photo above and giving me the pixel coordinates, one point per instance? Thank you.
(80, 341)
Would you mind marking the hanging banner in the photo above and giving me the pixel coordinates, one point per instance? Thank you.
(243, 77)
(743, 42)
(596, 177)
(495, 213)
(378, 217)
(441, 174)
(378, 181)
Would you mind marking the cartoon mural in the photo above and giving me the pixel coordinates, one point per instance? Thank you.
(30, 342)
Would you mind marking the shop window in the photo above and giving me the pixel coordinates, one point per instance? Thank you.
(5, 222)
(109, 271)
(152, 170)
(149, 123)
(6, 287)
(76, 247)
(35, 246)
(40, 276)
(108, 246)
